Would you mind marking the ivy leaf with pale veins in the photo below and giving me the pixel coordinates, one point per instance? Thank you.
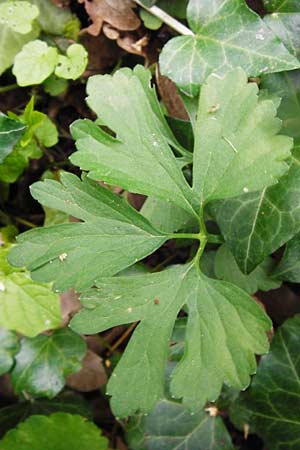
(286, 85)
(271, 405)
(282, 5)
(10, 132)
(255, 225)
(221, 42)
(287, 27)
(170, 427)
(44, 362)
(155, 301)
(139, 159)
(288, 268)
(226, 268)
(236, 133)
(9, 345)
(59, 431)
(111, 237)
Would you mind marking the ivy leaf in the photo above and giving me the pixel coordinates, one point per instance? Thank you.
(155, 300)
(227, 269)
(282, 5)
(18, 16)
(222, 43)
(286, 85)
(257, 224)
(73, 64)
(11, 415)
(35, 62)
(139, 158)
(44, 362)
(112, 237)
(288, 268)
(9, 345)
(170, 426)
(10, 132)
(287, 27)
(230, 111)
(59, 431)
(271, 405)
(25, 306)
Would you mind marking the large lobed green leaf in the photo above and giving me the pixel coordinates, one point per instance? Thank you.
(237, 146)
(271, 405)
(59, 431)
(111, 237)
(227, 35)
(139, 158)
(225, 327)
(221, 352)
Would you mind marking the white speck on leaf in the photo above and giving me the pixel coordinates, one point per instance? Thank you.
(2, 287)
(62, 257)
(245, 189)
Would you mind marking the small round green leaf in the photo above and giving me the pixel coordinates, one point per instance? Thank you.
(59, 431)
(18, 16)
(34, 63)
(73, 65)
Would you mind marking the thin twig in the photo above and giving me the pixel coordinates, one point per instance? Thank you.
(167, 19)
(123, 337)
(9, 87)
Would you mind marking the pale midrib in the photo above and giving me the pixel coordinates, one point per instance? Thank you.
(253, 228)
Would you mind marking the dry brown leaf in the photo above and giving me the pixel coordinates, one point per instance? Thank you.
(103, 53)
(69, 305)
(61, 3)
(129, 43)
(111, 32)
(170, 97)
(92, 376)
(118, 13)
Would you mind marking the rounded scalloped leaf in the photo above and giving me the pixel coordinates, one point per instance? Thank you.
(59, 431)
(18, 16)
(73, 64)
(35, 62)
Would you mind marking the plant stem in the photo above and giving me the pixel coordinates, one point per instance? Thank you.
(167, 19)
(9, 87)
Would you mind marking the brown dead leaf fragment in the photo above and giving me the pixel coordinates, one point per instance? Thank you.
(118, 13)
(61, 3)
(92, 376)
(170, 97)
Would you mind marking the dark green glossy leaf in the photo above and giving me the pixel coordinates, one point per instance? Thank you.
(60, 431)
(289, 267)
(271, 407)
(286, 86)
(221, 43)
(255, 225)
(170, 427)
(227, 269)
(112, 237)
(10, 133)
(11, 415)
(44, 362)
(282, 5)
(287, 27)
(9, 345)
